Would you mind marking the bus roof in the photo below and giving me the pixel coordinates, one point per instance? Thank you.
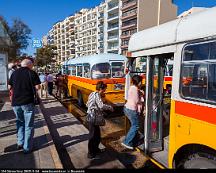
(195, 26)
(97, 58)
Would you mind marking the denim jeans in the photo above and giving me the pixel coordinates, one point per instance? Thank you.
(25, 125)
(133, 117)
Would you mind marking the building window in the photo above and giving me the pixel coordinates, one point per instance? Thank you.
(198, 73)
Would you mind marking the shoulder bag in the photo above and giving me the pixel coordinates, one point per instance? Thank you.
(96, 118)
(36, 97)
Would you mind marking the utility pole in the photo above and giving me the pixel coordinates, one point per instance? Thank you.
(159, 9)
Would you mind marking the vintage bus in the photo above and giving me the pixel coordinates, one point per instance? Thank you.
(187, 141)
(84, 72)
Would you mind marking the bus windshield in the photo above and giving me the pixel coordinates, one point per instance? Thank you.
(101, 70)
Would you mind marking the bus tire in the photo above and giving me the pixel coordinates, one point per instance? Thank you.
(80, 99)
(198, 160)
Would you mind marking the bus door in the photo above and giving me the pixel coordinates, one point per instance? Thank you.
(154, 103)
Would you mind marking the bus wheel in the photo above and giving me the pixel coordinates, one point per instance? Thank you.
(199, 161)
(80, 99)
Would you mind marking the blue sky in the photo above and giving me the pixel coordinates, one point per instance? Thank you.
(40, 15)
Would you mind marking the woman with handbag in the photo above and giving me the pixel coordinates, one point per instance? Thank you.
(95, 118)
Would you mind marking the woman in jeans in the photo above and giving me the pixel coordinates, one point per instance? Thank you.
(96, 105)
(132, 109)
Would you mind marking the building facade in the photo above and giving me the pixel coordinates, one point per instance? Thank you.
(62, 36)
(107, 27)
(138, 15)
(113, 26)
(86, 32)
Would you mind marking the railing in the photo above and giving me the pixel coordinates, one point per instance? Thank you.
(113, 15)
(113, 36)
(111, 6)
(128, 25)
(128, 5)
(113, 26)
(129, 13)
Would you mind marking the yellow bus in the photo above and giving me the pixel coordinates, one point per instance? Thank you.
(188, 140)
(83, 73)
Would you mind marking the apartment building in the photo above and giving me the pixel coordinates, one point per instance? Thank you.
(50, 38)
(98, 29)
(86, 32)
(67, 38)
(113, 26)
(102, 28)
(138, 15)
(62, 36)
(107, 27)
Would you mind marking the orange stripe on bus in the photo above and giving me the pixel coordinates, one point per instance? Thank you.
(94, 81)
(168, 78)
(202, 113)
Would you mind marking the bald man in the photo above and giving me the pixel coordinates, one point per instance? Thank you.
(24, 82)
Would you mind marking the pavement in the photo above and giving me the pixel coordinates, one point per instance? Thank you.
(72, 139)
(60, 141)
(44, 155)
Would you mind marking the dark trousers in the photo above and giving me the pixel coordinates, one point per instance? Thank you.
(94, 139)
(50, 88)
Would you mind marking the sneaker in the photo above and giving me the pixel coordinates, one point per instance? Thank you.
(126, 146)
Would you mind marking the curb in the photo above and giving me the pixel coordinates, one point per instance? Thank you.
(54, 153)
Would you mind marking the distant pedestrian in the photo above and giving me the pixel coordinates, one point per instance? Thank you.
(43, 88)
(23, 81)
(59, 84)
(49, 79)
(95, 105)
(132, 110)
(11, 68)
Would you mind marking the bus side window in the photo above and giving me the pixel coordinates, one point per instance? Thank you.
(198, 72)
(79, 70)
(73, 70)
(86, 70)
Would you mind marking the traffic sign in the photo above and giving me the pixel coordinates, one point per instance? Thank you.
(37, 43)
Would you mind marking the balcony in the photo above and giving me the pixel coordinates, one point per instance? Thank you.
(129, 15)
(129, 5)
(113, 27)
(101, 16)
(125, 36)
(113, 17)
(101, 38)
(130, 25)
(113, 37)
(113, 6)
(113, 47)
(125, 46)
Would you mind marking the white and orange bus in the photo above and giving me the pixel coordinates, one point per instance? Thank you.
(83, 73)
(187, 141)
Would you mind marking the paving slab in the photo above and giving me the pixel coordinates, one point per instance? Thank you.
(44, 152)
(71, 135)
